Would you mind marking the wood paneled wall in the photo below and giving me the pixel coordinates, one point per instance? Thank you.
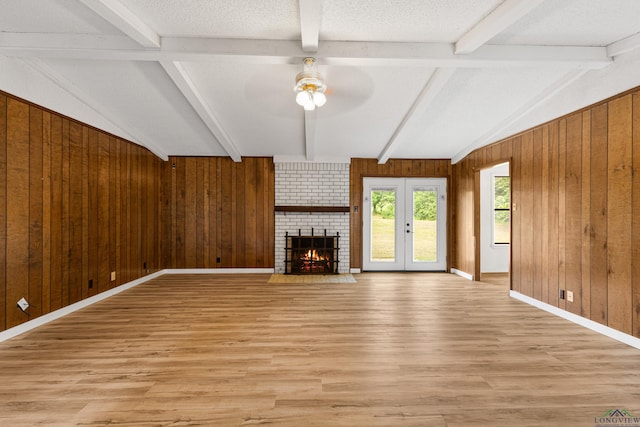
(395, 168)
(75, 204)
(218, 213)
(576, 222)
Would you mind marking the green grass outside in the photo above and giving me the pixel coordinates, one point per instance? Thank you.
(382, 239)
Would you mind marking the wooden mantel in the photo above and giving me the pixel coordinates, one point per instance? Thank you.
(311, 209)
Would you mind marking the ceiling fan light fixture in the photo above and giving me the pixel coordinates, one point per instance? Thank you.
(309, 87)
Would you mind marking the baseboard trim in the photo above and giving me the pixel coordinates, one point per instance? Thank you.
(462, 274)
(590, 324)
(218, 271)
(355, 271)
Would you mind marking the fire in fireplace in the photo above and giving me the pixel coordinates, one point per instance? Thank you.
(311, 254)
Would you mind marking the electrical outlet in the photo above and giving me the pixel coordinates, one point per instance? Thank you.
(113, 276)
(561, 293)
(23, 304)
(570, 296)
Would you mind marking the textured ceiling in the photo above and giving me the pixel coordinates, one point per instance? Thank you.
(406, 78)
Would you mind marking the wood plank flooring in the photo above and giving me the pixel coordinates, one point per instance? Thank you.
(391, 350)
(495, 278)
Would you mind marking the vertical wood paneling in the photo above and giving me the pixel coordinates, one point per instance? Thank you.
(17, 244)
(228, 211)
(199, 212)
(143, 220)
(220, 178)
(261, 210)
(46, 212)
(226, 225)
(116, 200)
(476, 223)
(355, 219)
(598, 214)
(75, 212)
(233, 196)
(103, 213)
(167, 239)
(536, 187)
(213, 219)
(635, 237)
(179, 194)
(153, 212)
(562, 203)
(544, 229)
(527, 212)
(585, 303)
(250, 207)
(35, 211)
(134, 215)
(573, 212)
(92, 199)
(125, 213)
(3, 211)
(113, 208)
(553, 214)
(55, 297)
(85, 213)
(66, 243)
(68, 211)
(516, 216)
(619, 214)
(190, 238)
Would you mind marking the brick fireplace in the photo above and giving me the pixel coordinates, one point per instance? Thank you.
(319, 186)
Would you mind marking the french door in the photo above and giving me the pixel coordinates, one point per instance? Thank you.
(404, 224)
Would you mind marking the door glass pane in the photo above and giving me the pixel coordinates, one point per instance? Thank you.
(501, 209)
(425, 242)
(383, 225)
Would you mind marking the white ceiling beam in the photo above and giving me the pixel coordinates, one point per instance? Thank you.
(126, 131)
(310, 120)
(501, 18)
(494, 134)
(182, 80)
(118, 15)
(623, 46)
(431, 89)
(66, 40)
(286, 158)
(310, 18)
(334, 53)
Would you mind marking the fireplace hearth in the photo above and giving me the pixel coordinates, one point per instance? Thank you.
(311, 254)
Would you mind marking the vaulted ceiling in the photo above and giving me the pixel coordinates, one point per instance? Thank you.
(406, 78)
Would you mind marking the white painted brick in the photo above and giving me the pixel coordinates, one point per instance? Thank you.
(330, 188)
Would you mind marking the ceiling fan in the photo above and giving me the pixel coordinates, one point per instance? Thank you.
(310, 88)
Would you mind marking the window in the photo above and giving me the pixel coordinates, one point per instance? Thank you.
(501, 210)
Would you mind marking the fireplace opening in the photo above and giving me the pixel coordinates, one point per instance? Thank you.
(311, 254)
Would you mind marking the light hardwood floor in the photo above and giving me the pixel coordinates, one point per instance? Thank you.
(391, 350)
(495, 278)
